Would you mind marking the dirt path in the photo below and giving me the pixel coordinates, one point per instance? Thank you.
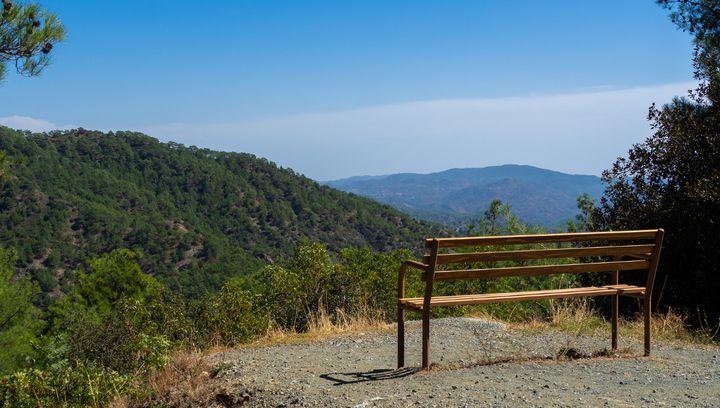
(479, 363)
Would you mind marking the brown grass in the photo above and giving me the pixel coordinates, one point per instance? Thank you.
(670, 327)
(322, 325)
(186, 381)
(578, 317)
(574, 315)
(188, 378)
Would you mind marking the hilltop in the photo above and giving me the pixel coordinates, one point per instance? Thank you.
(459, 196)
(197, 215)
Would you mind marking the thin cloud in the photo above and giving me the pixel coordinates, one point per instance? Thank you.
(31, 124)
(581, 132)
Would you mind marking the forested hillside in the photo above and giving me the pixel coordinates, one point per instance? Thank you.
(459, 196)
(198, 216)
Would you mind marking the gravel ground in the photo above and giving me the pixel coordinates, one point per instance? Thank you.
(476, 363)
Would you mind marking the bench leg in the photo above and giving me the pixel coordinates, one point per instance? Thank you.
(614, 306)
(615, 303)
(401, 337)
(646, 315)
(426, 339)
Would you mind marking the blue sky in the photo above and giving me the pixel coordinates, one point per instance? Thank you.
(340, 88)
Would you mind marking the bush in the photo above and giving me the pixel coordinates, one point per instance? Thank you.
(20, 321)
(233, 315)
(82, 385)
(120, 318)
(130, 340)
(280, 294)
(312, 285)
(370, 281)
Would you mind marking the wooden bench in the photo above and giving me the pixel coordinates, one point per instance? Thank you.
(611, 251)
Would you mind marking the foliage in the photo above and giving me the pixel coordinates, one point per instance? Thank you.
(3, 164)
(584, 221)
(82, 385)
(118, 317)
(372, 280)
(198, 216)
(499, 219)
(280, 293)
(363, 283)
(129, 339)
(28, 34)
(312, 284)
(116, 325)
(233, 315)
(114, 277)
(672, 180)
(19, 319)
(701, 18)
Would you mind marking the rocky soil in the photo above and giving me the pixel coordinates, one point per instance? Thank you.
(476, 363)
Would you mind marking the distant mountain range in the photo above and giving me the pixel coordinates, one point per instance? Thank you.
(458, 196)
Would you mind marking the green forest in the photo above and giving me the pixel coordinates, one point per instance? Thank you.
(197, 216)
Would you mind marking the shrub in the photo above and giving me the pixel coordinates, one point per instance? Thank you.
(82, 385)
(233, 315)
(19, 319)
(362, 284)
(130, 340)
(371, 281)
(119, 317)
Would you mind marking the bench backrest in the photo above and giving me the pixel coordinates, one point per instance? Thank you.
(608, 251)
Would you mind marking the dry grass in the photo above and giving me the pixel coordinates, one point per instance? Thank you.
(670, 327)
(188, 378)
(186, 381)
(574, 315)
(577, 316)
(322, 325)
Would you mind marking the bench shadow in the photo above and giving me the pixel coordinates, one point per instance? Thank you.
(379, 374)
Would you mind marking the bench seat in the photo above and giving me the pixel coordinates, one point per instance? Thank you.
(608, 290)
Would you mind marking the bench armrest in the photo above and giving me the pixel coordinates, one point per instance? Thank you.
(401, 274)
(415, 264)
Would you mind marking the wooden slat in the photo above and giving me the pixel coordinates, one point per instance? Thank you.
(480, 299)
(618, 250)
(564, 290)
(440, 301)
(540, 238)
(618, 288)
(541, 270)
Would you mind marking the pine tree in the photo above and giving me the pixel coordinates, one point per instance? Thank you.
(28, 34)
